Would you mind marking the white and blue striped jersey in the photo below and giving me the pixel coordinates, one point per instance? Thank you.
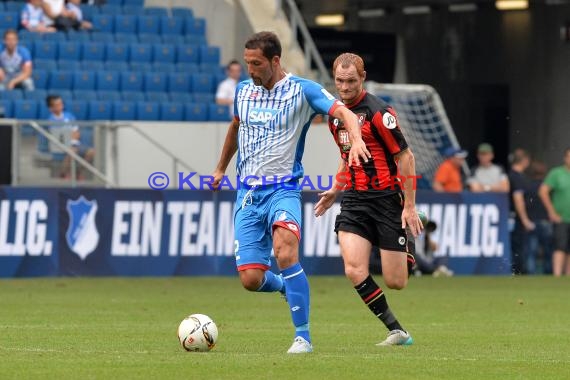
(273, 125)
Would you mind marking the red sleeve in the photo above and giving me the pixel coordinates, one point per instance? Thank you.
(334, 106)
(387, 126)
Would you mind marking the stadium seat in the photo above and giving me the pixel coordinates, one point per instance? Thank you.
(125, 24)
(186, 67)
(111, 96)
(116, 66)
(148, 111)
(117, 52)
(78, 108)
(55, 37)
(66, 95)
(25, 109)
(124, 111)
(148, 25)
(133, 96)
(40, 78)
(93, 51)
(172, 111)
(156, 11)
(195, 26)
(181, 97)
(45, 50)
(26, 35)
(131, 81)
(179, 82)
(171, 26)
(87, 135)
(182, 12)
(133, 10)
(103, 37)
(10, 20)
(218, 112)
(202, 83)
(44, 64)
(99, 110)
(93, 65)
(196, 112)
(155, 82)
(79, 37)
(195, 39)
(37, 95)
(70, 51)
(107, 81)
(89, 11)
(13, 6)
(111, 9)
(114, 2)
(208, 68)
(136, 3)
(146, 38)
(84, 80)
(8, 107)
(14, 94)
(210, 55)
(141, 53)
(85, 95)
(125, 38)
(144, 67)
(60, 80)
(157, 97)
(164, 53)
(66, 65)
(187, 54)
(201, 97)
(163, 67)
(104, 23)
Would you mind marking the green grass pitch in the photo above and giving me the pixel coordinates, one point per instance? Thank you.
(117, 328)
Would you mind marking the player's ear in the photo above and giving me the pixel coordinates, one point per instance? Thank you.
(275, 61)
(363, 76)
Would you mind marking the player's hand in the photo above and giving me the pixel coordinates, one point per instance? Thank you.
(218, 176)
(411, 220)
(325, 202)
(358, 150)
(554, 217)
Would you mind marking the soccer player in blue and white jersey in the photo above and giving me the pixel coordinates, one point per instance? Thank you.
(273, 111)
(15, 64)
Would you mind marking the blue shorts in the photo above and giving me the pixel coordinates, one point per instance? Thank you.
(258, 212)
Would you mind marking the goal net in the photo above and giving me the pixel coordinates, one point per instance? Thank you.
(424, 124)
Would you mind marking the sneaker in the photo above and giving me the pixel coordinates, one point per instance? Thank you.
(442, 271)
(300, 346)
(397, 338)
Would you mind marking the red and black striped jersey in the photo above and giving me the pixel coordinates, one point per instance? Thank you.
(383, 138)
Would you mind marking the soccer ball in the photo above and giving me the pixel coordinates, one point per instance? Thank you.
(198, 333)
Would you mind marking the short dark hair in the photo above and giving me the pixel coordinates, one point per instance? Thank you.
(268, 42)
(519, 155)
(10, 31)
(233, 62)
(51, 98)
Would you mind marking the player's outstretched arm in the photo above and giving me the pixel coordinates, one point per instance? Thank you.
(358, 148)
(407, 166)
(228, 151)
(327, 198)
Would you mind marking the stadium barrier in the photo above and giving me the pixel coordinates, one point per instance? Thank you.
(103, 232)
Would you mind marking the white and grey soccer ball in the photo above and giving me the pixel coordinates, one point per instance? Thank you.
(198, 333)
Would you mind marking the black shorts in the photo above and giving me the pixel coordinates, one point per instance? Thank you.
(561, 232)
(377, 217)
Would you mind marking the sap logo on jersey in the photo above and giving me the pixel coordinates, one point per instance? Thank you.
(82, 236)
(23, 228)
(260, 116)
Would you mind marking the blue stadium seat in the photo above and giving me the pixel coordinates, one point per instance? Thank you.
(89, 11)
(137, 3)
(179, 82)
(87, 135)
(44, 64)
(210, 55)
(173, 39)
(202, 83)
(8, 106)
(114, 2)
(208, 68)
(196, 112)
(182, 12)
(40, 78)
(117, 52)
(141, 53)
(201, 97)
(93, 51)
(164, 53)
(133, 96)
(133, 10)
(37, 95)
(187, 54)
(25, 109)
(186, 67)
(84, 80)
(85, 95)
(70, 51)
(218, 112)
(112, 96)
(116, 66)
(195, 39)
(26, 35)
(14, 6)
(104, 23)
(157, 97)
(219, 77)
(60, 80)
(79, 37)
(68, 65)
(107, 81)
(195, 25)
(131, 81)
(78, 108)
(145, 38)
(93, 65)
(148, 111)
(125, 24)
(172, 112)
(148, 24)
(66, 95)
(140, 66)
(125, 38)
(155, 82)
(55, 37)
(10, 20)
(12, 95)
(45, 50)
(111, 9)
(171, 25)
(103, 37)
(124, 111)
(163, 67)
(181, 97)
(155, 11)
(43, 111)
(99, 110)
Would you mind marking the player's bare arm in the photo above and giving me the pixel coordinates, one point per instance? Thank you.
(407, 166)
(327, 198)
(228, 151)
(358, 148)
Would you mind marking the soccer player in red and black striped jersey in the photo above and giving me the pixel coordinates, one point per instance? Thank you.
(378, 206)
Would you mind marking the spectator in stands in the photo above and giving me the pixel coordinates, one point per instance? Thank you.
(15, 64)
(555, 195)
(448, 176)
(59, 16)
(488, 176)
(227, 88)
(34, 19)
(57, 114)
(74, 6)
(519, 185)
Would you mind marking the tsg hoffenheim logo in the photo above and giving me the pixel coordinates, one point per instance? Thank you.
(82, 235)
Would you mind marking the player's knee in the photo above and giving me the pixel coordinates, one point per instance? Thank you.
(356, 274)
(285, 247)
(249, 281)
(396, 283)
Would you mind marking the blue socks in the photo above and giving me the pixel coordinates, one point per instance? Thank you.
(298, 298)
(272, 283)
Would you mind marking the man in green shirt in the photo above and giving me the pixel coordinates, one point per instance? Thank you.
(555, 194)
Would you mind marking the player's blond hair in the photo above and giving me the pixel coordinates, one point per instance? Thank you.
(347, 59)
